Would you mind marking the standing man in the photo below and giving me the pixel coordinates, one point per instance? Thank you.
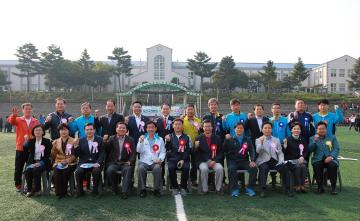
(329, 118)
(107, 123)
(216, 118)
(236, 116)
(78, 125)
(280, 124)
(136, 122)
(24, 126)
(254, 125)
(192, 127)
(59, 116)
(164, 125)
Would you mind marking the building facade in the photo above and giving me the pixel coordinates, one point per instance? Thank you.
(159, 67)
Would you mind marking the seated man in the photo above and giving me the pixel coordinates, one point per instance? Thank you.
(178, 146)
(326, 150)
(208, 146)
(240, 156)
(91, 159)
(152, 153)
(121, 150)
(270, 155)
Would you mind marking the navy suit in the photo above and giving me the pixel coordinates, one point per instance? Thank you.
(134, 130)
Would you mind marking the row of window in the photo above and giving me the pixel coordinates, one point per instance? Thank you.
(334, 72)
(342, 87)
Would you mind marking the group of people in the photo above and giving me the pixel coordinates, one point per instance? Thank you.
(113, 145)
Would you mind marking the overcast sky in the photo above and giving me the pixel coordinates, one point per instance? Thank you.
(250, 31)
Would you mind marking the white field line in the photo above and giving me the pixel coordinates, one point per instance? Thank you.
(180, 212)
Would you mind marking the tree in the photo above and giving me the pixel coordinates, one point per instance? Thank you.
(354, 83)
(298, 75)
(201, 67)
(101, 75)
(70, 76)
(50, 65)
(268, 77)
(123, 64)
(175, 80)
(3, 79)
(28, 62)
(228, 76)
(255, 82)
(86, 65)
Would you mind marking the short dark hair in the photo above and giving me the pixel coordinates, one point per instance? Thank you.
(234, 101)
(89, 124)
(60, 99)
(37, 126)
(167, 104)
(239, 124)
(136, 102)
(324, 101)
(190, 105)
(258, 105)
(275, 104)
(85, 104)
(122, 123)
(179, 120)
(265, 123)
(150, 122)
(63, 126)
(299, 99)
(26, 104)
(295, 123)
(111, 100)
(321, 123)
(206, 121)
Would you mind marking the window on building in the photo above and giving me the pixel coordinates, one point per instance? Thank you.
(333, 87)
(191, 75)
(341, 72)
(342, 87)
(333, 73)
(350, 71)
(159, 67)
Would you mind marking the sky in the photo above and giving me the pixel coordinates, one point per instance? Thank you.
(250, 31)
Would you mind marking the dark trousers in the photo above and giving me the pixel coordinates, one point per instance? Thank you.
(20, 160)
(61, 179)
(34, 174)
(298, 171)
(264, 171)
(80, 174)
(185, 169)
(113, 177)
(233, 166)
(193, 171)
(319, 172)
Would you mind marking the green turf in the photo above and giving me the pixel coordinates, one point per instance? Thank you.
(345, 206)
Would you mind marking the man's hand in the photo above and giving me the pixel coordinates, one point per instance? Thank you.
(167, 138)
(141, 139)
(296, 114)
(328, 160)
(158, 161)
(15, 111)
(127, 119)
(301, 160)
(127, 163)
(197, 144)
(223, 118)
(212, 164)
(316, 137)
(96, 165)
(180, 163)
(36, 164)
(227, 137)
(26, 138)
(252, 164)
(105, 137)
(48, 119)
(71, 119)
(285, 142)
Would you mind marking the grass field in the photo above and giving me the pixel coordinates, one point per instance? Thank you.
(345, 206)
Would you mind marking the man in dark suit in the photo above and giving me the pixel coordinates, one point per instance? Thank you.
(90, 150)
(136, 125)
(254, 125)
(210, 154)
(108, 122)
(136, 122)
(164, 125)
(122, 152)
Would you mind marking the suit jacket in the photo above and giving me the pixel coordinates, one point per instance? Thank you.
(108, 128)
(58, 154)
(233, 147)
(162, 132)
(204, 152)
(112, 148)
(84, 154)
(45, 159)
(173, 148)
(253, 127)
(324, 147)
(134, 131)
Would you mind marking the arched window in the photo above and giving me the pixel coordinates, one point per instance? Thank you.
(159, 67)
